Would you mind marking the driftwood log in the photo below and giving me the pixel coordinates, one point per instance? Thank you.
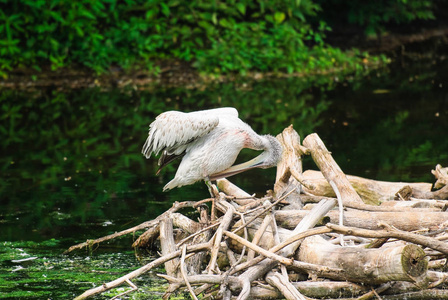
(401, 263)
(372, 192)
(407, 220)
(318, 234)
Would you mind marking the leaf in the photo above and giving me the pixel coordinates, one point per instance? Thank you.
(57, 16)
(151, 13)
(279, 17)
(87, 14)
(241, 8)
(224, 23)
(165, 9)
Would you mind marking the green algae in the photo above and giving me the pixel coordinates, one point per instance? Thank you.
(30, 270)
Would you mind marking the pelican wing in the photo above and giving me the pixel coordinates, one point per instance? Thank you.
(172, 131)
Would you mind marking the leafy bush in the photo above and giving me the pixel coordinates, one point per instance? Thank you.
(374, 16)
(219, 36)
(216, 36)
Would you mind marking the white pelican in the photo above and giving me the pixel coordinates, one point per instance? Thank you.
(209, 141)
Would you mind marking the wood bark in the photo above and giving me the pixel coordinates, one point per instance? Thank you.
(330, 169)
(289, 170)
(391, 232)
(408, 221)
(225, 223)
(435, 205)
(420, 295)
(229, 188)
(266, 240)
(287, 289)
(263, 267)
(441, 175)
(194, 263)
(168, 245)
(313, 289)
(441, 194)
(371, 191)
(265, 248)
(404, 263)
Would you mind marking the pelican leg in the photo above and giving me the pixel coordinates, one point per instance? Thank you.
(213, 190)
(214, 194)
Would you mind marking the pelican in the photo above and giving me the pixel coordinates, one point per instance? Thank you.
(209, 141)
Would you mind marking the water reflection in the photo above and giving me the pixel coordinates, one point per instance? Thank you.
(71, 161)
(392, 124)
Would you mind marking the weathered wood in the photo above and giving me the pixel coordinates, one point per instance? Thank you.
(394, 233)
(263, 267)
(420, 295)
(185, 223)
(168, 245)
(441, 194)
(441, 174)
(388, 206)
(289, 291)
(371, 191)
(194, 263)
(145, 225)
(155, 263)
(146, 238)
(296, 264)
(267, 239)
(372, 266)
(289, 169)
(438, 263)
(259, 292)
(433, 279)
(408, 221)
(268, 269)
(258, 236)
(313, 289)
(225, 223)
(265, 253)
(436, 205)
(330, 169)
(230, 189)
(183, 272)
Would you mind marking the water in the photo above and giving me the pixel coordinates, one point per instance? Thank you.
(71, 167)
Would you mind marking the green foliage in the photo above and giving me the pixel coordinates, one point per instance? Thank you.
(225, 36)
(375, 16)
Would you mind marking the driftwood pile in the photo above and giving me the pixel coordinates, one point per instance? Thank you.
(318, 235)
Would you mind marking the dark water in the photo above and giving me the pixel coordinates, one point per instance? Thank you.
(71, 167)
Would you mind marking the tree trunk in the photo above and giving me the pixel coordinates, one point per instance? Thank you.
(372, 266)
(313, 289)
(168, 246)
(289, 170)
(408, 220)
(371, 191)
(330, 169)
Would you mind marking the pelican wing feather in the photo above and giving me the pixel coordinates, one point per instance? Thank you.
(172, 131)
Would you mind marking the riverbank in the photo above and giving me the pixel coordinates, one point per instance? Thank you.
(174, 73)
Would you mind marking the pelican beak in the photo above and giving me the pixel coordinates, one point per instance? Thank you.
(251, 164)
